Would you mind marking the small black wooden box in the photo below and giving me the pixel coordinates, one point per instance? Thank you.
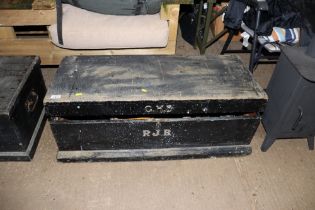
(152, 107)
(21, 106)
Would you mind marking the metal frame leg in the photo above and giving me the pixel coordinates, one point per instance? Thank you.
(255, 40)
(227, 42)
(268, 141)
(59, 21)
(197, 35)
(201, 38)
(207, 28)
(310, 142)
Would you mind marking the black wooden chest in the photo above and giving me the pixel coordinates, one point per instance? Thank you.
(21, 106)
(152, 107)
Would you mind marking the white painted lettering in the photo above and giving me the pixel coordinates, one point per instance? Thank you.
(148, 108)
(157, 133)
(167, 132)
(146, 133)
(169, 108)
(160, 108)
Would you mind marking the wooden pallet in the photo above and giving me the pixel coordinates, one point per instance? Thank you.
(12, 44)
(43, 4)
(27, 4)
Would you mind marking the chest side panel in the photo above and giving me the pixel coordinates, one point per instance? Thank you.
(153, 133)
(9, 136)
(14, 72)
(22, 100)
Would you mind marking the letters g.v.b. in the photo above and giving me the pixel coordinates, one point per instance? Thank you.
(159, 108)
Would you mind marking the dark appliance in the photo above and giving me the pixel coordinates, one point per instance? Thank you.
(290, 112)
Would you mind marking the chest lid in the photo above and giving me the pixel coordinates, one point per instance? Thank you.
(14, 72)
(139, 85)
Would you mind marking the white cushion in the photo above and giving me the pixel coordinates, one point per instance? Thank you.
(83, 29)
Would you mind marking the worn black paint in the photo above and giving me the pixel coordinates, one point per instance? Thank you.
(126, 85)
(154, 154)
(153, 133)
(21, 104)
(149, 104)
(139, 108)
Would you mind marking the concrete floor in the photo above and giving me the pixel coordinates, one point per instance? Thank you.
(281, 179)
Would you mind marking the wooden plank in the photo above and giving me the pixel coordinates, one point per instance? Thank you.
(171, 13)
(173, 26)
(43, 4)
(151, 108)
(168, 11)
(153, 154)
(154, 133)
(7, 33)
(16, 4)
(48, 17)
(27, 17)
(198, 78)
(52, 55)
(145, 84)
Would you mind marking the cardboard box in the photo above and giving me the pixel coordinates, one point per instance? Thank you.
(217, 25)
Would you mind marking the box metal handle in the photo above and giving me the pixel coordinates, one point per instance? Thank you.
(298, 120)
(31, 101)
